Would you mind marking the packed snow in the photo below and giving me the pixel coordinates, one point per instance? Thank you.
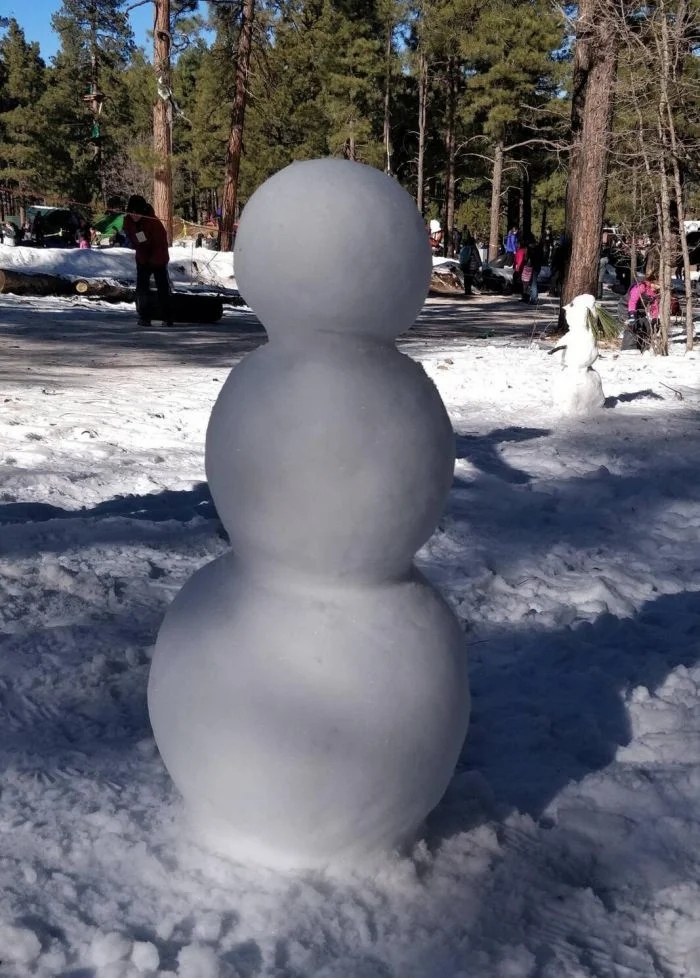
(567, 843)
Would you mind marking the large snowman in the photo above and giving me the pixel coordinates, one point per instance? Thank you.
(577, 388)
(309, 691)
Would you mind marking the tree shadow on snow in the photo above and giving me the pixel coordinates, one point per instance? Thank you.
(94, 626)
(648, 395)
(481, 451)
(181, 505)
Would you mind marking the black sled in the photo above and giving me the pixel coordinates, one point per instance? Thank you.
(187, 307)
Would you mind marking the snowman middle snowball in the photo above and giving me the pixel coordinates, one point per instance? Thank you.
(308, 691)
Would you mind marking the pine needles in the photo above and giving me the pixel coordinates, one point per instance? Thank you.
(603, 325)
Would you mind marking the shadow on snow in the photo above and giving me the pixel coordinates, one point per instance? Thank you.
(549, 703)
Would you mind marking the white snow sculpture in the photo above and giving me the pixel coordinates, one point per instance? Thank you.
(308, 691)
(577, 388)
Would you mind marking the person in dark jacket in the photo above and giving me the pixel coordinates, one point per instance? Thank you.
(38, 231)
(150, 241)
(469, 260)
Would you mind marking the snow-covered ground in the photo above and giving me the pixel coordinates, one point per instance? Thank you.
(568, 843)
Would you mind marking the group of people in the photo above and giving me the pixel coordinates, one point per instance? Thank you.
(13, 234)
(143, 231)
(526, 257)
(641, 302)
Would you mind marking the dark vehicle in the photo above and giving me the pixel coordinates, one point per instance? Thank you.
(58, 225)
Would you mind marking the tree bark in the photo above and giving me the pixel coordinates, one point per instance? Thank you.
(162, 119)
(660, 341)
(688, 290)
(20, 284)
(100, 289)
(387, 98)
(672, 67)
(95, 99)
(633, 242)
(235, 140)
(595, 70)
(451, 153)
(496, 180)
(422, 128)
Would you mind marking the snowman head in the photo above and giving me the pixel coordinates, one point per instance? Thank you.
(580, 312)
(331, 246)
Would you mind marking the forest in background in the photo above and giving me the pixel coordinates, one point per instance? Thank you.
(477, 107)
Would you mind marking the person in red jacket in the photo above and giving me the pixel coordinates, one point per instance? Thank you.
(150, 241)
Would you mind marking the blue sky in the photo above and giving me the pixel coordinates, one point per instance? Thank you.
(34, 17)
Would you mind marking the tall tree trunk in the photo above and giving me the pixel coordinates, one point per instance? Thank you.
(660, 343)
(422, 128)
(162, 119)
(235, 140)
(514, 202)
(451, 154)
(674, 67)
(678, 189)
(496, 180)
(633, 242)
(388, 51)
(526, 205)
(95, 96)
(595, 70)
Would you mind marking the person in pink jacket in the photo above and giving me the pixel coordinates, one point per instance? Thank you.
(646, 294)
(643, 311)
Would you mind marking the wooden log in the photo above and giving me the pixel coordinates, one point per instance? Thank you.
(99, 289)
(445, 280)
(187, 307)
(19, 283)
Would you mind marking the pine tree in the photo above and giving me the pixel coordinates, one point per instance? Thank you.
(514, 76)
(21, 85)
(97, 42)
(203, 82)
(593, 93)
(286, 119)
(351, 64)
(127, 165)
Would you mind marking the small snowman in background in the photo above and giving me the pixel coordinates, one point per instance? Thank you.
(577, 388)
(308, 691)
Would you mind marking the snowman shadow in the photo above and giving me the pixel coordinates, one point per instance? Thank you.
(550, 700)
(549, 707)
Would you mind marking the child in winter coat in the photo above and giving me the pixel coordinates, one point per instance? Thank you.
(518, 265)
(642, 313)
(644, 297)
